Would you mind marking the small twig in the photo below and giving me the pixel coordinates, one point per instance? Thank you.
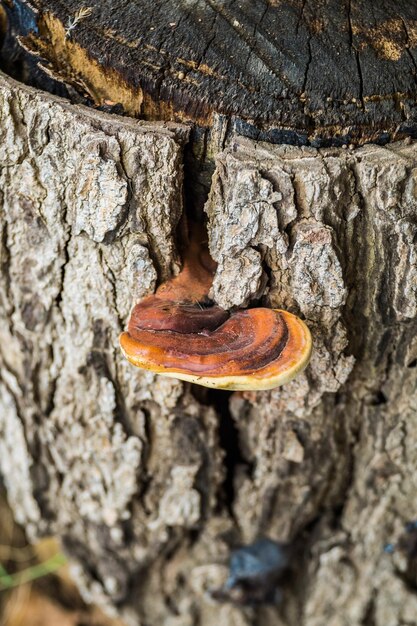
(78, 17)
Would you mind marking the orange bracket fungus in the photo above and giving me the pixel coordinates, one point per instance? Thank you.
(179, 332)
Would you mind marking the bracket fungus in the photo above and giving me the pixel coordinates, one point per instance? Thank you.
(179, 332)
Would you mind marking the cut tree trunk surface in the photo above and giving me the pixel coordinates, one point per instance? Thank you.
(151, 483)
(293, 71)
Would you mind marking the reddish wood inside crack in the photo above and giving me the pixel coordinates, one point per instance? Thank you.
(179, 333)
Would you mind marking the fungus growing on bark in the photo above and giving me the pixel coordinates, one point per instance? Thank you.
(179, 332)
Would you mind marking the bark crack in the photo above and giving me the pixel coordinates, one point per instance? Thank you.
(357, 55)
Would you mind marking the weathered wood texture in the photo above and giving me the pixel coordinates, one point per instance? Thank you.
(294, 71)
(148, 483)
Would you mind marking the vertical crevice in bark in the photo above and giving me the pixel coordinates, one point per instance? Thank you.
(369, 617)
(198, 171)
(229, 442)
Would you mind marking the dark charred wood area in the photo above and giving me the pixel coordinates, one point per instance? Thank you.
(294, 71)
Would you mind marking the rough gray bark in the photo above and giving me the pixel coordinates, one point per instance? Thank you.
(131, 470)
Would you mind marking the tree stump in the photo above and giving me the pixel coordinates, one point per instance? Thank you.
(289, 125)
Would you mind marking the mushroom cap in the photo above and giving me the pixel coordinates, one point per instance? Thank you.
(252, 349)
